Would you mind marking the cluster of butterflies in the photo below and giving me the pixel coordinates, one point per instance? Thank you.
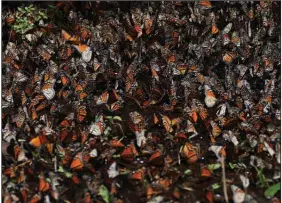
(93, 100)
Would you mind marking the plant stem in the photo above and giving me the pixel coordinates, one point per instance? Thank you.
(222, 160)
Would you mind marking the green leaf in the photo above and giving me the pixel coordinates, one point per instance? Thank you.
(188, 172)
(51, 6)
(68, 174)
(232, 166)
(117, 118)
(272, 190)
(21, 10)
(61, 169)
(104, 193)
(212, 167)
(215, 186)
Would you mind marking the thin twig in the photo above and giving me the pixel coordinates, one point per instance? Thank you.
(55, 163)
(222, 161)
(136, 101)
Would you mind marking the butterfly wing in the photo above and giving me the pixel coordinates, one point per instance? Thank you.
(48, 91)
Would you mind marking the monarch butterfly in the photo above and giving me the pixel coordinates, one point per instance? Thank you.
(24, 98)
(67, 158)
(156, 158)
(138, 175)
(28, 91)
(9, 96)
(81, 113)
(216, 131)
(19, 154)
(145, 104)
(80, 86)
(36, 100)
(156, 120)
(238, 194)
(44, 53)
(209, 196)
(214, 29)
(74, 137)
(205, 172)
(50, 147)
(180, 69)
(103, 99)
(190, 153)
(251, 14)
(64, 133)
(260, 108)
(155, 74)
(150, 192)
(39, 140)
(112, 171)
(68, 37)
(24, 194)
(96, 64)
(65, 123)
(117, 97)
(20, 118)
(41, 106)
(200, 78)
(191, 129)
(65, 52)
(128, 84)
(229, 57)
(194, 116)
(203, 113)
(129, 153)
(130, 74)
(43, 184)
(175, 36)
(116, 143)
(128, 37)
(148, 24)
(181, 135)
(77, 163)
(87, 198)
(53, 108)
(116, 105)
(12, 63)
(235, 38)
(48, 90)
(164, 183)
(82, 95)
(242, 115)
(260, 147)
(65, 93)
(65, 79)
(167, 124)
(10, 20)
(33, 114)
(75, 179)
(83, 136)
(167, 108)
(83, 49)
(267, 118)
(97, 128)
(210, 98)
(84, 33)
(135, 117)
(35, 199)
(206, 4)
